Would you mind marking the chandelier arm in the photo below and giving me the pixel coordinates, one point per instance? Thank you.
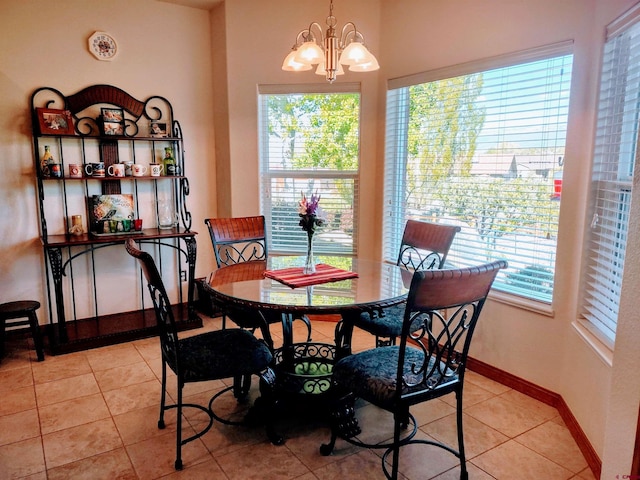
(354, 33)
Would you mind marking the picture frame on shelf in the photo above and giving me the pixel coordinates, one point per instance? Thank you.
(158, 129)
(112, 121)
(55, 121)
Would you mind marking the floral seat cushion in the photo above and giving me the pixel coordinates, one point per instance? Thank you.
(222, 354)
(387, 323)
(371, 375)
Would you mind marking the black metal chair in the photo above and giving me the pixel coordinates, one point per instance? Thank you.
(442, 310)
(231, 353)
(424, 246)
(243, 239)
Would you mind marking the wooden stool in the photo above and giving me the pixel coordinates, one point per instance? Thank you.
(21, 309)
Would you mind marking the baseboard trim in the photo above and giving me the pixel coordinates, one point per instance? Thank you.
(545, 396)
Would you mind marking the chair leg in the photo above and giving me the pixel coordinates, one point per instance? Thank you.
(464, 475)
(163, 395)
(241, 386)
(398, 419)
(178, 463)
(37, 338)
(307, 322)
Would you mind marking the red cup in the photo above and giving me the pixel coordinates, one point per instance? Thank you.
(137, 224)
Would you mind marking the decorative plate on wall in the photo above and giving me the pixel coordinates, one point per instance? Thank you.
(103, 46)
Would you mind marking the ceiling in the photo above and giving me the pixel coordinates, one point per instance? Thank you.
(201, 4)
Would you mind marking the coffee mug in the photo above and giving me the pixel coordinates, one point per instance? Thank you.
(138, 170)
(75, 170)
(116, 170)
(156, 169)
(94, 169)
(55, 170)
(128, 169)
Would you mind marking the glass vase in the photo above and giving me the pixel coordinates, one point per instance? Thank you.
(309, 262)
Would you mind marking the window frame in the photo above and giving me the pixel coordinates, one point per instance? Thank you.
(395, 223)
(266, 175)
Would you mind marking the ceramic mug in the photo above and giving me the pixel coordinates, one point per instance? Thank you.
(75, 170)
(116, 170)
(138, 170)
(94, 169)
(55, 170)
(128, 169)
(156, 169)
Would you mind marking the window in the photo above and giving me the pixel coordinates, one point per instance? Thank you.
(309, 142)
(615, 151)
(484, 150)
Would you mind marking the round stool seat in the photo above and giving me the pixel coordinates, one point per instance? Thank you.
(21, 307)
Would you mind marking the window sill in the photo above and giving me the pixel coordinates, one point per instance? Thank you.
(521, 302)
(603, 348)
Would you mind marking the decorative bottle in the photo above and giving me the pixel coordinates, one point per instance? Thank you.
(169, 162)
(47, 159)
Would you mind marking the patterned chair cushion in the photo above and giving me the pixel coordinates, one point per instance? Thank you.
(385, 324)
(222, 354)
(371, 375)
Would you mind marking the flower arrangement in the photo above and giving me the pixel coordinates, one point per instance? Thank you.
(311, 214)
(311, 217)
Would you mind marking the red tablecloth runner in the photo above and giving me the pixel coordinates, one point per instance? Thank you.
(294, 277)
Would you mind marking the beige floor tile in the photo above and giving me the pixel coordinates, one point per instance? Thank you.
(66, 389)
(507, 417)
(15, 378)
(586, 474)
(105, 466)
(21, 459)
(61, 366)
(363, 465)
(513, 460)
(17, 400)
(113, 356)
(224, 439)
(540, 409)
(133, 397)
(155, 457)
(427, 412)
(478, 437)
(209, 470)
(418, 461)
(474, 473)
(484, 382)
(19, 426)
(265, 462)
(87, 409)
(471, 395)
(555, 443)
(117, 377)
(83, 441)
(142, 424)
(148, 348)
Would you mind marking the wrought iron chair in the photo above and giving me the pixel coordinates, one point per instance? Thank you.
(231, 353)
(424, 246)
(442, 310)
(243, 239)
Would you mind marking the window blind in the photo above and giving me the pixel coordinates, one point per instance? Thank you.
(309, 143)
(485, 151)
(615, 150)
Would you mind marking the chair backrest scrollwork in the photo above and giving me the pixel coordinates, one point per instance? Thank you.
(236, 240)
(425, 245)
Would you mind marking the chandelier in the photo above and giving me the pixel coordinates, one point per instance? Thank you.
(329, 52)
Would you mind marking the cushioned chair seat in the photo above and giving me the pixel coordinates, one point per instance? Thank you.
(222, 354)
(372, 374)
(388, 323)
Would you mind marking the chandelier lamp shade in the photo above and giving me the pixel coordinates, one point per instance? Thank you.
(328, 53)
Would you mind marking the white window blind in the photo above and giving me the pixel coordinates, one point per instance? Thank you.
(615, 150)
(483, 150)
(309, 142)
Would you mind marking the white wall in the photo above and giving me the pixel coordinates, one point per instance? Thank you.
(164, 50)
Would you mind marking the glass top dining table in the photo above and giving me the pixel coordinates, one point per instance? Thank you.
(377, 285)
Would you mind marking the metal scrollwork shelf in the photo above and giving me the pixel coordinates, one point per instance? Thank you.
(72, 325)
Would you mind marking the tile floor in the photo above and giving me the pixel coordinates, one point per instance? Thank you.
(93, 415)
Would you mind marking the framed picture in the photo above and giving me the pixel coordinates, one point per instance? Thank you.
(158, 129)
(55, 122)
(112, 121)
